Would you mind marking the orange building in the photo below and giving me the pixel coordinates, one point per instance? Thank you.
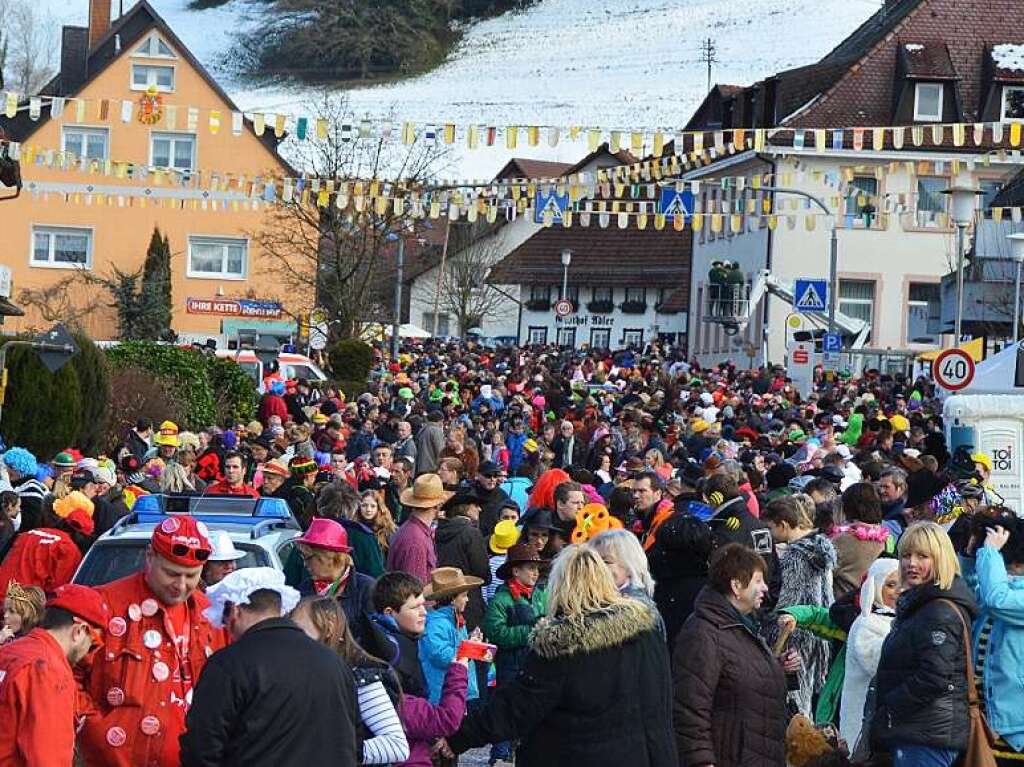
(221, 283)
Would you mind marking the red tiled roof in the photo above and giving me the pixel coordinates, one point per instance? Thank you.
(609, 257)
(927, 61)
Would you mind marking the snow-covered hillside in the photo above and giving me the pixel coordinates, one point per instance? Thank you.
(612, 63)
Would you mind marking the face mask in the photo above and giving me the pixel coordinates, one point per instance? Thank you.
(16, 522)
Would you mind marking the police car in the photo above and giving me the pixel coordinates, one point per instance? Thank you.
(263, 528)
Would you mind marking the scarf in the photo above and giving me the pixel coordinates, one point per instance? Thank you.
(332, 588)
(863, 532)
(519, 590)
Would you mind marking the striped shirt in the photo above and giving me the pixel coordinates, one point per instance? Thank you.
(388, 744)
(496, 561)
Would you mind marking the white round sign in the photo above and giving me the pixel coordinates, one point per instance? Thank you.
(318, 337)
(563, 307)
(953, 370)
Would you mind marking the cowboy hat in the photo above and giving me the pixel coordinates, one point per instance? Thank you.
(520, 554)
(425, 493)
(449, 581)
(223, 548)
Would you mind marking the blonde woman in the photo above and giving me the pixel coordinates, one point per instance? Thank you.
(374, 513)
(597, 658)
(921, 713)
(621, 551)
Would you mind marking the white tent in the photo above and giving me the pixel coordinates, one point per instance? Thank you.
(996, 375)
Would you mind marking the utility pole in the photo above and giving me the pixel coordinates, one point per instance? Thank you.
(709, 55)
(397, 324)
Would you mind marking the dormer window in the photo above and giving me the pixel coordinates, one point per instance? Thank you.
(1013, 103)
(153, 47)
(928, 102)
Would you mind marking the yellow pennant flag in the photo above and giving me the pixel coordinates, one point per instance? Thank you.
(678, 222)
(716, 222)
(593, 139)
(819, 140)
(11, 105)
(533, 135)
(636, 140)
(615, 141)
(473, 136)
(449, 134)
(773, 222)
(959, 134)
(697, 221)
(735, 223)
(997, 214)
(1015, 134)
(759, 140)
(511, 137)
(659, 221)
(878, 138)
(739, 137)
(938, 134)
(810, 222)
(659, 145)
(214, 121)
(321, 128)
(408, 133)
(258, 123)
(322, 198)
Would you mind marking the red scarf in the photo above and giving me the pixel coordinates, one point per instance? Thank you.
(332, 588)
(518, 590)
(460, 621)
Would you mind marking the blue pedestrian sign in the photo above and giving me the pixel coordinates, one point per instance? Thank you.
(550, 201)
(832, 343)
(811, 296)
(675, 202)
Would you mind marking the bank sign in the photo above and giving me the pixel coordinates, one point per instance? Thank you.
(235, 307)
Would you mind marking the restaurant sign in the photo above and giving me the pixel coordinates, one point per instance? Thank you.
(235, 307)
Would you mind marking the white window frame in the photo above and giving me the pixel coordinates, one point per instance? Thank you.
(1002, 105)
(869, 302)
(50, 263)
(174, 136)
(151, 81)
(86, 130)
(931, 118)
(225, 242)
(148, 42)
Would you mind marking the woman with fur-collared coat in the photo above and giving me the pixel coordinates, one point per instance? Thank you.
(595, 688)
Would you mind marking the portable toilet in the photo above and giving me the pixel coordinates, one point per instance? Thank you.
(992, 424)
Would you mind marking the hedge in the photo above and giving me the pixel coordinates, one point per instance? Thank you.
(185, 370)
(350, 359)
(236, 395)
(94, 386)
(42, 411)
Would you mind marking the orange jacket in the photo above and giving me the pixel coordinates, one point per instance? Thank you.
(223, 488)
(664, 510)
(132, 693)
(37, 703)
(43, 557)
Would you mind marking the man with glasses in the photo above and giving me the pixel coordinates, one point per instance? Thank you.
(157, 641)
(37, 701)
(491, 497)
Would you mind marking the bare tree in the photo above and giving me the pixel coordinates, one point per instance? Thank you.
(69, 300)
(465, 292)
(341, 258)
(28, 46)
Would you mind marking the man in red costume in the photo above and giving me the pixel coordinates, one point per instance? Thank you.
(157, 640)
(37, 686)
(234, 479)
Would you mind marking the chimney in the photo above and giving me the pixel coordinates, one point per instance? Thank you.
(99, 20)
(74, 53)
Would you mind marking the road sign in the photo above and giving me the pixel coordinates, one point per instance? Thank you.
(675, 202)
(550, 201)
(801, 368)
(832, 343)
(318, 316)
(318, 336)
(953, 370)
(563, 308)
(811, 296)
(55, 347)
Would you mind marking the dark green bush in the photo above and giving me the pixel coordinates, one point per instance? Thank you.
(353, 389)
(234, 391)
(90, 365)
(350, 360)
(42, 411)
(184, 370)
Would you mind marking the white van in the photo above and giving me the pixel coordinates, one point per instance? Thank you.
(291, 366)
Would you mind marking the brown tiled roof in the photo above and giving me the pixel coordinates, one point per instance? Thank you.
(520, 167)
(857, 83)
(678, 300)
(622, 157)
(927, 61)
(1002, 74)
(609, 257)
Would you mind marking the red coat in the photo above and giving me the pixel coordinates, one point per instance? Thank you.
(133, 691)
(43, 557)
(223, 488)
(271, 404)
(37, 703)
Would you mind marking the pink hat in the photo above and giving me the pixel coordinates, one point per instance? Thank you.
(326, 534)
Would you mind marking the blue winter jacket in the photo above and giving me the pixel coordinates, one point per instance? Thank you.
(518, 489)
(437, 648)
(516, 452)
(1000, 600)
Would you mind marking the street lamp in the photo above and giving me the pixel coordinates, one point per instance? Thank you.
(1017, 253)
(566, 260)
(963, 193)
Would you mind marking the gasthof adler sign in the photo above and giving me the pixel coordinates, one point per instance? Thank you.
(234, 307)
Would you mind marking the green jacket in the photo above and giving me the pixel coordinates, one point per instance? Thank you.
(508, 623)
(816, 620)
(717, 276)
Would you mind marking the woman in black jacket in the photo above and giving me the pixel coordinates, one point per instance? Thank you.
(594, 689)
(678, 562)
(921, 711)
(459, 543)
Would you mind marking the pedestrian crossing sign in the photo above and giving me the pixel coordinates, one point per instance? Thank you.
(675, 202)
(811, 296)
(550, 202)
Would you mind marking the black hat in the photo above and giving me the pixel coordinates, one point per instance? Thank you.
(691, 473)
(81, 478)
(489, 469)
(832, 473)
(520, 554)
(539, 519)
(464, 496)
(779, 475)
(922, 486)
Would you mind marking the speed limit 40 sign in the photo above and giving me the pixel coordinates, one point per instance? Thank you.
(953, 370)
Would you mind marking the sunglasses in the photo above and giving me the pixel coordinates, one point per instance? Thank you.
(181, 550)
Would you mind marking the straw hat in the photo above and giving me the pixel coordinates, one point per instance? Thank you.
(449, 581)
(426, 493)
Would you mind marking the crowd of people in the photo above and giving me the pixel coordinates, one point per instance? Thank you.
(564, 557)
